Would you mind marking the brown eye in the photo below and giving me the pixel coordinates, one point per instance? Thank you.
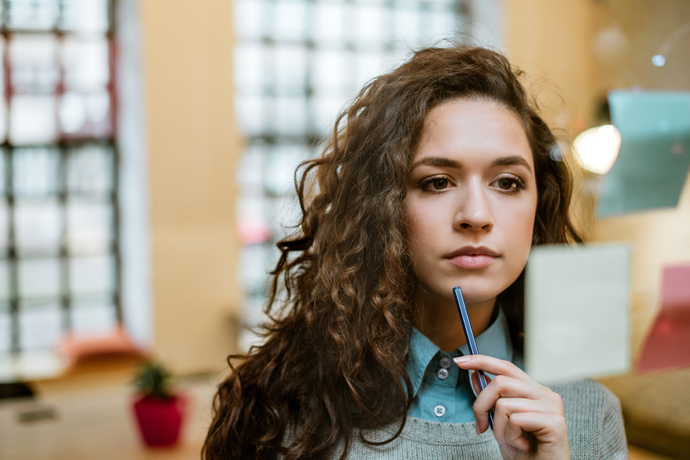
(507, 183)
(439, 183)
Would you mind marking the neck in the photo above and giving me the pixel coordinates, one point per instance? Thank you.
(437, 318)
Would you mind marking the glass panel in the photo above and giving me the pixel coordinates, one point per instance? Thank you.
(93, 316)
(290, 21)
(5, 331)
(407, 25)
(89, 228)
(250, 72)
(38, 227)
(2, 172)
(91, 275)
(326, 109)
(328, 23)
(4, 281)
(33, 120)
(85, 15)
(291, 116)
(36, 171)
(250, 170)
(3, 228)
(32, 14)
(442, 22)
(252, 225)
(370, 26)
(290, 69)
(330, 72)
(39, 278)
(280, 169)
(250, 17)
(40, 326)
(33, 60)
(253, 260)
(86, 64)
(286, 214)
(250, 113)
(367, 66)
(89, 170)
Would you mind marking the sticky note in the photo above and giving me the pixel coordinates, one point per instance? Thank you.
(667, 344)
(654, 156)
(576, 311)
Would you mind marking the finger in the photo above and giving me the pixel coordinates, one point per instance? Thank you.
(474, 377)
(502, 387)
(547, 428)
(501, 421)
(515, 437)
(491, 365)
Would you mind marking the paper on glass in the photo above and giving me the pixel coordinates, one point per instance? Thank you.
(576, 312)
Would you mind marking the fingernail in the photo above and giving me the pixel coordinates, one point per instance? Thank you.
(477, 427)
(462, 359)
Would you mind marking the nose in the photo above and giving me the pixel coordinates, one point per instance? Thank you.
(473, 212)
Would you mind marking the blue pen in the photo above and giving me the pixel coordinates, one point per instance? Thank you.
(469, 338)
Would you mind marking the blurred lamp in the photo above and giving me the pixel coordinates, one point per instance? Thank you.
(596, 149)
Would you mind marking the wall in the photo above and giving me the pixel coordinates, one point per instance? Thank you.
(193, 150)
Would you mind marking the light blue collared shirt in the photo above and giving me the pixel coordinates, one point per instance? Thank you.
(442, 392)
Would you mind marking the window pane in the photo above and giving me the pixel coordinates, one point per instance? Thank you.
(85, 15)
(86, 64)
(37, 227)
(329, 22)
(291, 116)
(250, 113)
(407, 22)
(290, 69)
(250, 68)
(40, 326)
(370, 26)
(3, 228)
(36, 171)
(93, 316)
(280, 169)
(33, 120)
(250, 171)
(290, 20)
(91, 275)
(4, 281)
(39, 278)
(5, 331)
(33, 60)
(89, 170)
(250, 18)
(89, 228)
(32, 14)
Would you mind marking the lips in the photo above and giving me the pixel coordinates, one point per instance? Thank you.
(473, 257)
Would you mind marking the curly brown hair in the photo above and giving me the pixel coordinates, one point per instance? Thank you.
(334, 356)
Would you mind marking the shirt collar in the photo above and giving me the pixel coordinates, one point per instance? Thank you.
(494, 341)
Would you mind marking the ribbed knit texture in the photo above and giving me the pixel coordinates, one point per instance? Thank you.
(593, 420)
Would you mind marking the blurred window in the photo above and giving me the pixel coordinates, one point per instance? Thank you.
(297, 64)
(58, 172)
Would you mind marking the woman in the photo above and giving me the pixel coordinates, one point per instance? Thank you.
(438, 175)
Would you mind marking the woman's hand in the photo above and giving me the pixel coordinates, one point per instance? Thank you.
(528, 422)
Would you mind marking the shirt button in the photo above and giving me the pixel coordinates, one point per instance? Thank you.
(445, 362)
(443, 373)
(439, 411)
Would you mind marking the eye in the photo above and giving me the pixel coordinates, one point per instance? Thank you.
(510, 184)
(435, 184)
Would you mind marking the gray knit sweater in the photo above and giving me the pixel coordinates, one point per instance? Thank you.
(593, 420)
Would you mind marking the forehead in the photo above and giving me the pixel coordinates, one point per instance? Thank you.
(468, 129)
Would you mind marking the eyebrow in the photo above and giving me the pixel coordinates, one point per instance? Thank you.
(448, 163)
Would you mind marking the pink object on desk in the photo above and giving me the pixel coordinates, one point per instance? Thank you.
(667, 345)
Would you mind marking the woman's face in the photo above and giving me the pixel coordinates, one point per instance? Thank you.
(471, 200)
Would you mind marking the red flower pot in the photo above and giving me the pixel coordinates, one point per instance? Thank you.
(160, 420)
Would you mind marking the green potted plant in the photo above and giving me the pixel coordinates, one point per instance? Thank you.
(159, 410)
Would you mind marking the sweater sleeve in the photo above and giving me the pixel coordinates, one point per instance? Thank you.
(613, 443)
